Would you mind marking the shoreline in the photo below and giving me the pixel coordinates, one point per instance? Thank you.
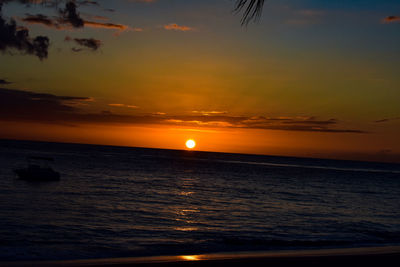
(387, 255)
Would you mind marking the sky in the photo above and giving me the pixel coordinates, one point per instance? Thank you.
(311, 78)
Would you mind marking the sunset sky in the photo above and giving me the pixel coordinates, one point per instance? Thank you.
(311, 78)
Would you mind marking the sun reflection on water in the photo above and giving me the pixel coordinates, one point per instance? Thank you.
(190, 258)
(186, 229)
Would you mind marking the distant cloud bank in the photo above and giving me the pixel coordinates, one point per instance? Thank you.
(19, 105)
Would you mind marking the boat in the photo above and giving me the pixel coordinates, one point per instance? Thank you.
(36, 172)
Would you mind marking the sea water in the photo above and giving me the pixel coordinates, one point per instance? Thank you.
(126, 202)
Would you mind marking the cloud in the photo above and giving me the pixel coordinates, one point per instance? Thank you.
(58, 24)
(114, 26)
(391, 19)
(211, 112)
(158, 113)
(96, 17)
(71, 16)
(176, 27)
(28, 2)
(51, 3)
(387, 120)
(90, 43)
(25, 105)
(41, 19)
(123, 106)
(308, 124)
(2, 82)
(88, 3)
(16, 38)
(18, 105)
(13, 37)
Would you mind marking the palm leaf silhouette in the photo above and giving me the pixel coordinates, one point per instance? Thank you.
(252, 9)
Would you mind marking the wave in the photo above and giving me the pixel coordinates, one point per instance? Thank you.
(309, 166)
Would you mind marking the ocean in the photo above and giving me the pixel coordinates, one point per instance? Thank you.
(127, 202)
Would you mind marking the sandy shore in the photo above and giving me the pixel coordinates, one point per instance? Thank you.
(373, 256)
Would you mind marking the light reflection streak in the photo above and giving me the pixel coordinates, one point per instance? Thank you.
(190, 257)
(186, 229)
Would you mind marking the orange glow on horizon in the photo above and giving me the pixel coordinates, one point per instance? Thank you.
(251, 141)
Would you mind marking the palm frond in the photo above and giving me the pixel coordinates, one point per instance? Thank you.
(252, 10)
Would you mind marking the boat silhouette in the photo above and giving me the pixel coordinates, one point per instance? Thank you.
(38, 172)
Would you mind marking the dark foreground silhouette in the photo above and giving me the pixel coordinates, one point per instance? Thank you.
(35, 172)
(380, 256)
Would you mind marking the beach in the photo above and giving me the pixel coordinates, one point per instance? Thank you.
(373, 256)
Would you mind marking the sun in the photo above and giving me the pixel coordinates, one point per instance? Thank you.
(190, 143)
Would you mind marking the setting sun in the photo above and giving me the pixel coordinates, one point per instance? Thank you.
(190, 144)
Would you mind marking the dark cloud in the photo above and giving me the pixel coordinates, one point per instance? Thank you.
(29, 106)
(58, 23)
(74, 49)
(18, 105)
(114, 26)
(52, 3)
(71, 16)
(13, 37)
(387, 119)
(45, 3)
(25, 105)
(2, 81)
(90, 43)
(88, 3)
(40, 19)
(302, 121)
(309, 124)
